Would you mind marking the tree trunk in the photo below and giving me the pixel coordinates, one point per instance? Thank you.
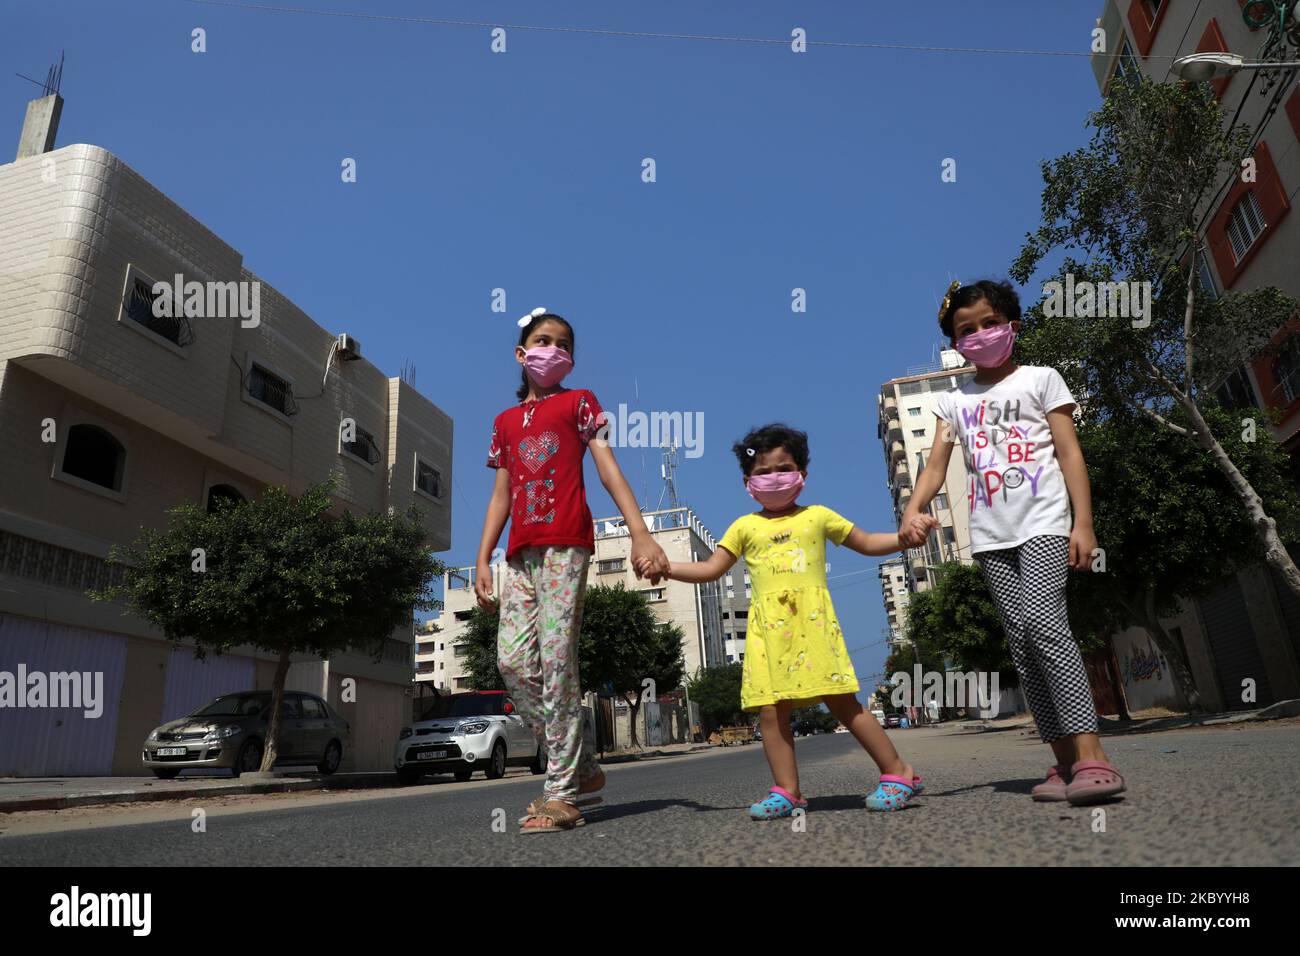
(271, 748)
(1275, 553)
(634, 705)
(1142, 608)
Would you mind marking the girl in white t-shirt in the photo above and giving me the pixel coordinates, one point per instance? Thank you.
(1025, 470)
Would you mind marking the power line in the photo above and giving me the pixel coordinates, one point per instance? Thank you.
(641, 34)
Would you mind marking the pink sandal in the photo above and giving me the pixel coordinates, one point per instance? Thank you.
(1054, 788)
(1092, 781)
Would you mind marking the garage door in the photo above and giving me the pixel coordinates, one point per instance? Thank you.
(53, 740)
(1233, 646)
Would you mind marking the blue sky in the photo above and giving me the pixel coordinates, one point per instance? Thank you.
(522, 171)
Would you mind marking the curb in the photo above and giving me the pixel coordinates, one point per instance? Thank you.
(283, 785)
(653, 754)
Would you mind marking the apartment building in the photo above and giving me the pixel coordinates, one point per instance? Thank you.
(905, 427)
(1248, 627)
(738, 590)
(112, 414)
(696, 608)
(895, 595)
(441, 648)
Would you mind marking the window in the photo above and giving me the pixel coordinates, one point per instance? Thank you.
(271, 390)
(221, 496)
(461, 615)
(918, 432)
(94, 455)
(1286, 370)
(920, 462)
(1245, 224)
(610, 565)
(442, 647)
(1126, 64)
(1206, 277)
(362, 446)
(941, 501)
(311, 708)
(138, 306)
(460, 650)
(742, 615)
(949, 536)
(914, 412)
(428, 479)
(1236, 391)
(653, 594)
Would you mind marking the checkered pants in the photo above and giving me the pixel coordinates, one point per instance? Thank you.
(1028, 586)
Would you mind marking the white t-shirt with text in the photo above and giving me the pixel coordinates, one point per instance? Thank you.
(1014, 485)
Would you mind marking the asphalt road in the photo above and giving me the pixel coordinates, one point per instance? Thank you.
(1222, 796)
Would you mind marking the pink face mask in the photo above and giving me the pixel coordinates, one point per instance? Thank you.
(776, 490)
(547, 364)
(988, 348)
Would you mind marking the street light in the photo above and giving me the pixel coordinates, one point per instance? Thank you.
(1199, 67)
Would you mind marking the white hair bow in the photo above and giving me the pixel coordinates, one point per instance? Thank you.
(530, 316)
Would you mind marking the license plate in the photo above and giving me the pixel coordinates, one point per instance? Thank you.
(171, 752)
(432, 754)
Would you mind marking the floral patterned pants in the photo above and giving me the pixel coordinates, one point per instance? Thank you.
(537, 654)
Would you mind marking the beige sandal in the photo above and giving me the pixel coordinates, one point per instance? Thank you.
(587, 785)
(556, 815)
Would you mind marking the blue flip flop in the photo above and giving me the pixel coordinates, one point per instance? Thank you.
(893, 792)
(779, 803)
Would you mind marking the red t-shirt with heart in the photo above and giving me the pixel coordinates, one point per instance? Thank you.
(541, 443)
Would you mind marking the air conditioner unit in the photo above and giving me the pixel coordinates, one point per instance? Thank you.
(348, 348)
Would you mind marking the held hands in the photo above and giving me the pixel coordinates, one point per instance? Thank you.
(915, 529)
(649, 561)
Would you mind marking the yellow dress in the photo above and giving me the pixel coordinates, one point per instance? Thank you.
(794, 648)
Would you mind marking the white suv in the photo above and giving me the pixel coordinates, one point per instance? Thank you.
(462, 733)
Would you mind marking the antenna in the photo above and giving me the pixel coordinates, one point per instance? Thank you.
(53, 78)
(666, 470)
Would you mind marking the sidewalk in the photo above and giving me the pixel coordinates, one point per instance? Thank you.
(61, 793)
(1110, 726)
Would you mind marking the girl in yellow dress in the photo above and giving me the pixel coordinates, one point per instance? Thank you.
(795, 653)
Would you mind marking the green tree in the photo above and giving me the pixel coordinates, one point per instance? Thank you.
(717, 692)
(623, 645)
(278, 574)
(1158, 509)
(1128, 208)
(481, 652)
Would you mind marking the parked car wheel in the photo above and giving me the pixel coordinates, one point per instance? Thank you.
(407, 777)
(162, 774)
(496, 768)
(249, 759)
(333, 757)
(539, 762)
(463, 775)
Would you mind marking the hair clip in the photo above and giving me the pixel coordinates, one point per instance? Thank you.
(530, 316)
(947, 298)
(749, 452)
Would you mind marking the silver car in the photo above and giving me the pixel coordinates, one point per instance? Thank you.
(462, 733)
(230, 733)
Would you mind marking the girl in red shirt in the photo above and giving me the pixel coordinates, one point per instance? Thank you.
(537, 450)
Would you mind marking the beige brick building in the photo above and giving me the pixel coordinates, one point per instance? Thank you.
(110, 415)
